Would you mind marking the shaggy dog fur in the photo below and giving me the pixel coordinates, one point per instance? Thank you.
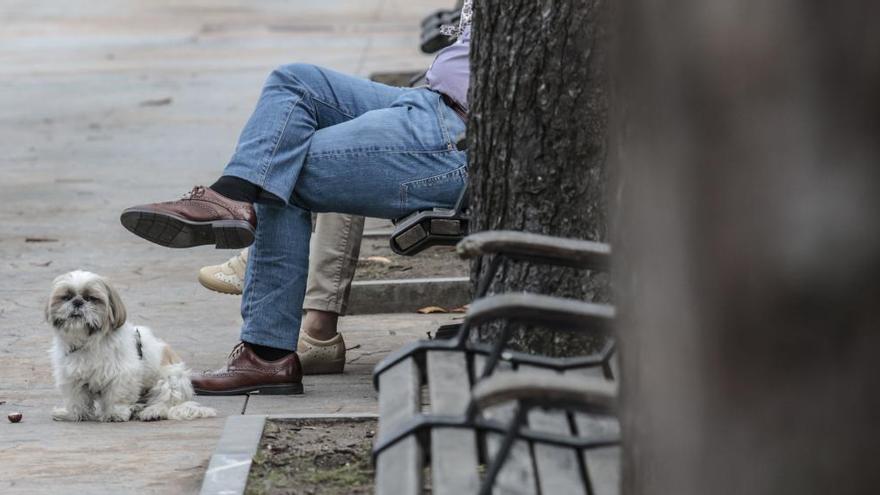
(108, 369)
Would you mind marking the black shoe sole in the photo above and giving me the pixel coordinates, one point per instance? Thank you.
(290, 389)
(176, 232)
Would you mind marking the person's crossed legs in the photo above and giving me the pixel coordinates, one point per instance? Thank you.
(318, 141)
(333, 256)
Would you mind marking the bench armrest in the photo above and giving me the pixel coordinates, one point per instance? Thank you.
(591, 395)
(553, 312)
(537, 309)
(537, 248)
(547, 311)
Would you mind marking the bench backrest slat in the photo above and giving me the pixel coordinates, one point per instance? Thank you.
(454, 457)
(517, 475)
(559, 470)
(399, 469)
(603, 464)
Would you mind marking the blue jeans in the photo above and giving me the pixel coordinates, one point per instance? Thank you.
(327, 142)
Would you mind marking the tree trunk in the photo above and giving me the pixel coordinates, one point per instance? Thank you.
(751, 247)
(537, 136)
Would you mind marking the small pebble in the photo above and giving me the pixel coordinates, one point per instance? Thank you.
(14, 417)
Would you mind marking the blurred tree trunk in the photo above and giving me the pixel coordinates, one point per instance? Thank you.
(537, 136)
(750, 233)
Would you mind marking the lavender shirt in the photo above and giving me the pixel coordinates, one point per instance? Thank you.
(450, 73)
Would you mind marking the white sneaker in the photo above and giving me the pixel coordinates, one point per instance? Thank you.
(227, 278)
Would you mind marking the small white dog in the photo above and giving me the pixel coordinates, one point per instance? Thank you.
(106, 368)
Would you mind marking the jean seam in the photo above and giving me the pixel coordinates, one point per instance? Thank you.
(405, 186)
(334, 107)
(458, 172)
(317, 97)
(253, 267)
(442, 121)
(304, 86)
(376, 152)
(267, 162)
(402, 198)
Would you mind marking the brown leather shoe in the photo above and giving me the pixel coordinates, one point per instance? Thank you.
(246, 373)
(201, 217)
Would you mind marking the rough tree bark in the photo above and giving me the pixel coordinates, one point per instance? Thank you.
(537, 135)
(751, 247)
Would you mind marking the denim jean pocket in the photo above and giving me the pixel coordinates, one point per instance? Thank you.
(451, 123)
(438, 191)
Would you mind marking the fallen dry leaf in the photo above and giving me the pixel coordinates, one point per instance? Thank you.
(378, 259)
(432, 309)
(462, 309)
(156, 103)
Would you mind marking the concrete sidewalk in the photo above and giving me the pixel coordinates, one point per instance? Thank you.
(42, 456)
(105, 104)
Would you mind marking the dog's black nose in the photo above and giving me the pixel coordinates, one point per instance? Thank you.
(77, 302)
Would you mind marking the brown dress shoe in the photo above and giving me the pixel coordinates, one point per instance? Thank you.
(246, 373)
(201, 217)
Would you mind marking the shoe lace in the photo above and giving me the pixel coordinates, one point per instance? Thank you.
(236, 351)
(197, 192)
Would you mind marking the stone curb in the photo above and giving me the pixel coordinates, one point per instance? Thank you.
(408, 295)
(340, 416)
(228, 470)
(230, 464)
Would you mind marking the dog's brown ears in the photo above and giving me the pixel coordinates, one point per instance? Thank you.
(116, 312)
(48, 308)
(52, 297)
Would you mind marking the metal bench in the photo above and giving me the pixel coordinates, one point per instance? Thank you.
(509, 246)
(569, 422)
(455, 432)
(566, 419)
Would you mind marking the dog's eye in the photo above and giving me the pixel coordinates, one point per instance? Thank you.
(90, 298)
(67, 297)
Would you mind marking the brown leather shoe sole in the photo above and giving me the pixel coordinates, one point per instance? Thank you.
(176, 232)
(283, 389)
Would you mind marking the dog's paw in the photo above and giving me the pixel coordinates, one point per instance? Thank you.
(118, 414)
(63, 414)
(113, 418)
(152, 413)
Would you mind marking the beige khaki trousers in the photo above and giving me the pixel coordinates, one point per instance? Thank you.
(333, 256)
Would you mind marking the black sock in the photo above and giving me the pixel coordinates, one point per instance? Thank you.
(267, 353)
(236, 189)
(242, 190)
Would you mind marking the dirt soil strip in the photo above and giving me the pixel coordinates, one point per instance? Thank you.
(377, 262)
(311, 456)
